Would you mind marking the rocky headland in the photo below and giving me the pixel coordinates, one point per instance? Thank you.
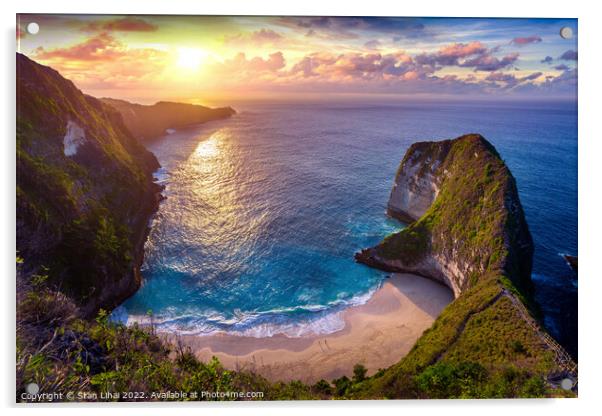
(151, 121)
(466, 228)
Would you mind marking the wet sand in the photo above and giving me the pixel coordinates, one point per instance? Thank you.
(377, 334)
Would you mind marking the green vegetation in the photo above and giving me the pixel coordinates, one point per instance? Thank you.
(410, 245)
(84, 216)
(470, 218)
(62, 353)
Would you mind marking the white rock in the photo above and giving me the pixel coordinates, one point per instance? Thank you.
(74, 138)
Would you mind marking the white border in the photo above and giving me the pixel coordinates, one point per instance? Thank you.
(590, 150)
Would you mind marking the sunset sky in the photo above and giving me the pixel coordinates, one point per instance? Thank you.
(210, 59)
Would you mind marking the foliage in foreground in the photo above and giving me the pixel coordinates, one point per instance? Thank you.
(62, 353)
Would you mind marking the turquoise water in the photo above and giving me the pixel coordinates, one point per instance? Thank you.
(264, 211)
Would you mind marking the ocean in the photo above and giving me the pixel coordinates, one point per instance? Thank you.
(264, 211)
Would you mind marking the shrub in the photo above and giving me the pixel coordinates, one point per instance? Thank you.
(359, 373)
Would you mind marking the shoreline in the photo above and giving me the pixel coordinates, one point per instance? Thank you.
(376, 334)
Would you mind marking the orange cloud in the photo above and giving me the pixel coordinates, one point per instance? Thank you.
(526, 40)
(240, 64)
(103, 47)
(126, 24)
(462, 50)
(104, 60)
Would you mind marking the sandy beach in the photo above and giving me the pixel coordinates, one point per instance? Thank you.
(376, 334)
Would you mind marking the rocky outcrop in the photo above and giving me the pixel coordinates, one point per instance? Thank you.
(466, 228)
(150, 121)
(417, 181)
(85, 192)
(465, 217)
(572, 261)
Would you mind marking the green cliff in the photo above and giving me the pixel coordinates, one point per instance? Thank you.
(84, 190)
(467, 230)
(150, 121)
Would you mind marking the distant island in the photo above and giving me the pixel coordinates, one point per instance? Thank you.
(150, 121)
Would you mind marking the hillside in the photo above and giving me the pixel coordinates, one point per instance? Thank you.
(467, 230)
(84, 190)
(150, 121)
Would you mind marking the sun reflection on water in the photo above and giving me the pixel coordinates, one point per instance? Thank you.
(208, 148)
(222, 212)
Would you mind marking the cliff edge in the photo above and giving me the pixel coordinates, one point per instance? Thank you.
(465, 217)
(467, 230)
(85, 191)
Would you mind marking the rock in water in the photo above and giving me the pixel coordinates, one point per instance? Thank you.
(466, 229)
(572, 261)
(465, 217)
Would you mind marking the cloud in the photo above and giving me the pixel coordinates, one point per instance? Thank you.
(510, 80)
(526, 41)
(240, 65)
(360, 66)
(351, 27)
(372, 44)
(561, 67)
(547, 60)
(450, 55)
(102, 47)
(126, 24)
(501, 77)
(104, 61)
(564, 84)
(532, 76)
(468, 55)
(490, 63)
(257, 38)
(569, 55)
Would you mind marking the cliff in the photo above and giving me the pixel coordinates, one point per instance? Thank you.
(85, 191)
(466, 229)
(150, 121)
(465, 216)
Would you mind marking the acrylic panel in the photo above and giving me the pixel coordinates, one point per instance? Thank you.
(289, 207)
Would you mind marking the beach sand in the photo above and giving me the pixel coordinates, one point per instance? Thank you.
(377, 334)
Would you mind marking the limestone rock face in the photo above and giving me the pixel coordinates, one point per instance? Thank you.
(464, 214)
(417, 182)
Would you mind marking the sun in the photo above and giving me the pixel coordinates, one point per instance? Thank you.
(190, 58)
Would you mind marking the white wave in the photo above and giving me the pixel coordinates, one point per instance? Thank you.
(161, 175)
(319, 320)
